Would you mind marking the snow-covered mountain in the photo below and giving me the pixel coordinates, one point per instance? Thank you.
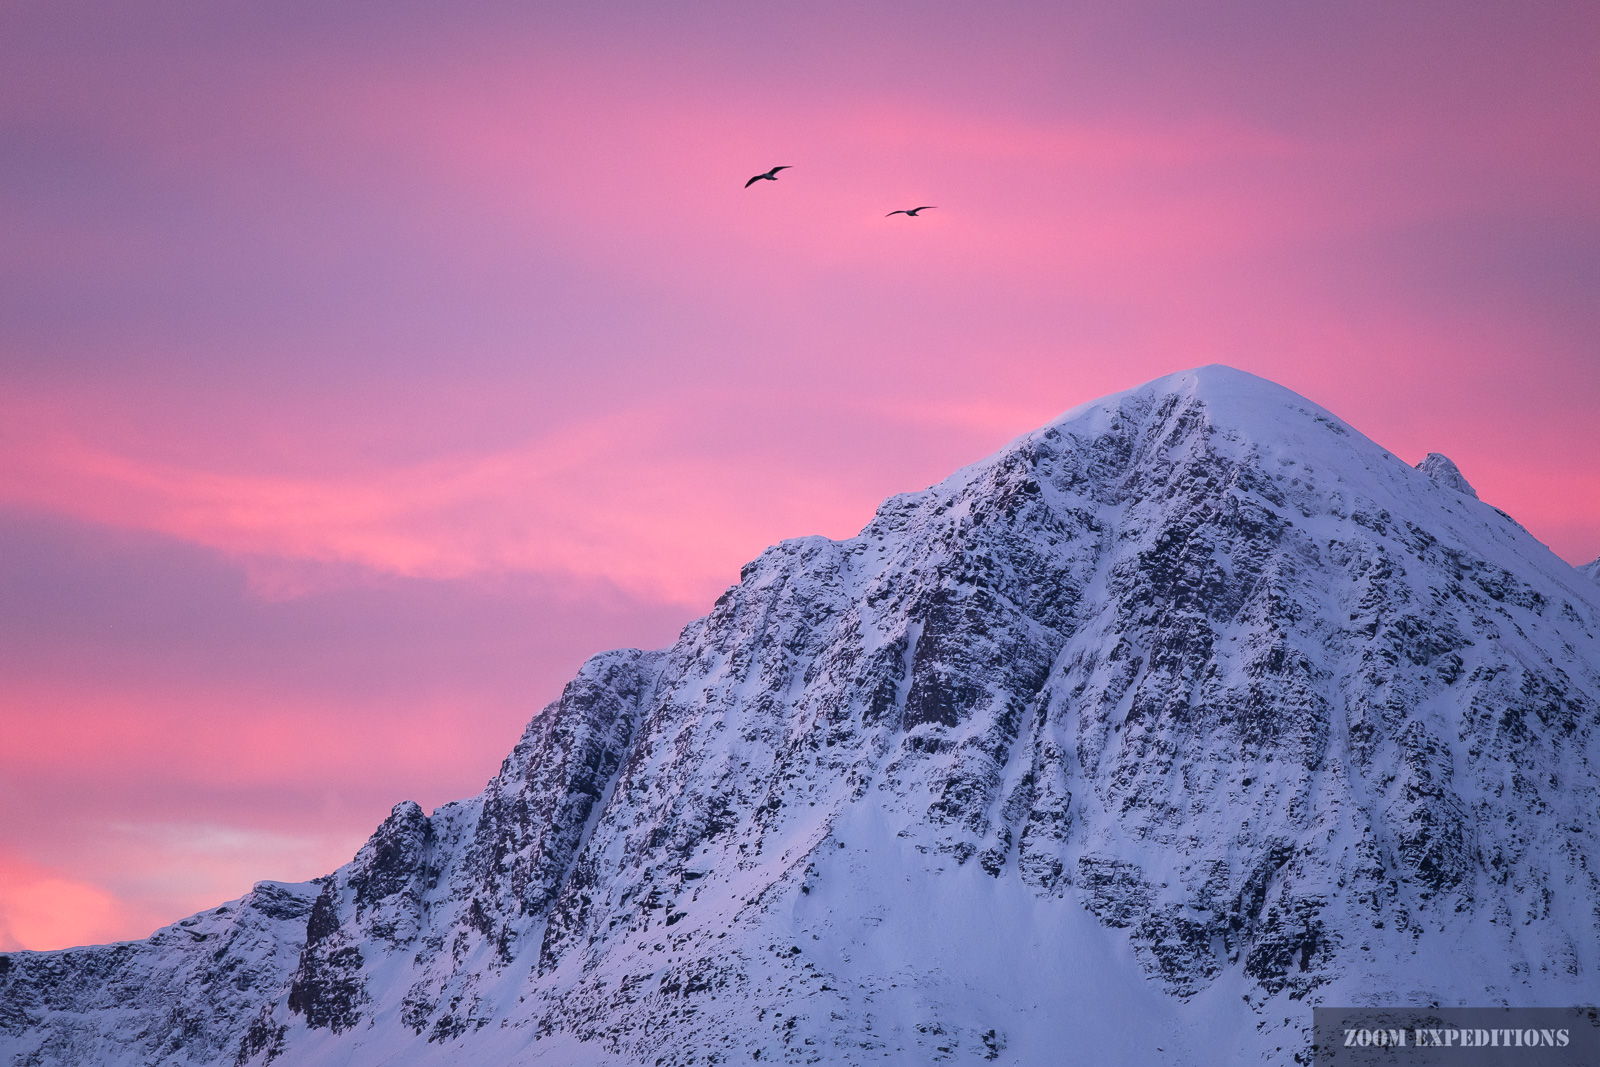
(1188, 711)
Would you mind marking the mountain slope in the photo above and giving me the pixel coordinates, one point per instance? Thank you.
(1184, 712)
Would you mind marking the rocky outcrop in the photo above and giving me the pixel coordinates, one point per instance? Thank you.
(1444, 472)
(1195, 697)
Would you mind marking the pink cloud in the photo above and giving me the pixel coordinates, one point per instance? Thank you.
(228, 737)
(609, 499)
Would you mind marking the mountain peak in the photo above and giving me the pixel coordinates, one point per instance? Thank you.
(1443, 470)
(1235, 399)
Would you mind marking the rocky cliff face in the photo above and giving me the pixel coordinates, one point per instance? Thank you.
(1179, 715)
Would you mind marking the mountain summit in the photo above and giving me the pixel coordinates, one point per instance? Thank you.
(1181, 714)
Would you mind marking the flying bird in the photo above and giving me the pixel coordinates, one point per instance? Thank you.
(912, 211)
(771, 176)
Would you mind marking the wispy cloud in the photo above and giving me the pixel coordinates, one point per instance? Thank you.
(609, 499)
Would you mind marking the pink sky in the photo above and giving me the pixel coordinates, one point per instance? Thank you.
(367, 367)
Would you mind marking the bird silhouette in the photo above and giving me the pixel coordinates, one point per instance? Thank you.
(771, 176)
(912, 211)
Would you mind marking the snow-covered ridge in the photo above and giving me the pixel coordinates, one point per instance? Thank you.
(1182, 713)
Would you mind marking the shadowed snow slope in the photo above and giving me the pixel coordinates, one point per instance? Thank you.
(1169, 720)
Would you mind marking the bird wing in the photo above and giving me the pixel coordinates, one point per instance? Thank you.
(771, 176)
(924, 207)
(902, 211)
